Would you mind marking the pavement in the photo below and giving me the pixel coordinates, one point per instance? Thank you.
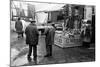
(19, 51)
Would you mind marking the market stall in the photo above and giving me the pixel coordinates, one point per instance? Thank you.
(69, 36)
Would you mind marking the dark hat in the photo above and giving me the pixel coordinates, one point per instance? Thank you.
(19, 18)
(48, 21)
(32, 21)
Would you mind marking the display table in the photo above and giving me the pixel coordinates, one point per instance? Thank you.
(66, 40)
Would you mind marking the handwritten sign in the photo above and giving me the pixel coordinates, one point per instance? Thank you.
(64, 39)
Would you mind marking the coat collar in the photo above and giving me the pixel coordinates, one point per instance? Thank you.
(32, 24)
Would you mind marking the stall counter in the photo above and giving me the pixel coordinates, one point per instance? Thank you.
(63, 39)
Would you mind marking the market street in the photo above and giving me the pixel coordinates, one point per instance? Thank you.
(19, 51)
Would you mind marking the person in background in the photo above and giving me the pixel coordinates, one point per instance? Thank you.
(32, 36)
(86, 35)
(50, 33)
(19, 28)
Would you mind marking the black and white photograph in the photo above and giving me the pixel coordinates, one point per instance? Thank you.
(44, 33)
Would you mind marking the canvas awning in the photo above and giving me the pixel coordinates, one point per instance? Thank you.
(51, 7)
(38, 6)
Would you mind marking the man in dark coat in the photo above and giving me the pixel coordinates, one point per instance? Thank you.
(32, 34)
(50, 33)
(19, 28)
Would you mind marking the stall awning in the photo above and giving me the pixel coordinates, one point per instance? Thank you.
(38, 6)
(51, 7)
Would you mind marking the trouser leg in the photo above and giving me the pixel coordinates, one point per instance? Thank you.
(47, 49)
(30, 51)
(35, 53)
(18, 35)
(50, 50)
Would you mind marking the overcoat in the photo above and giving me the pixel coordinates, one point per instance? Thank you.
(32, 34)
(19, 26)
(86, 35)
(50, 34)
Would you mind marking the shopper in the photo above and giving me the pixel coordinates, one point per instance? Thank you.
(50, 33)
(86, 35)
(32, 34)
(19, 28)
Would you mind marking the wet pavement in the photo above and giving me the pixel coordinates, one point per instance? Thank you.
(19, 51)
